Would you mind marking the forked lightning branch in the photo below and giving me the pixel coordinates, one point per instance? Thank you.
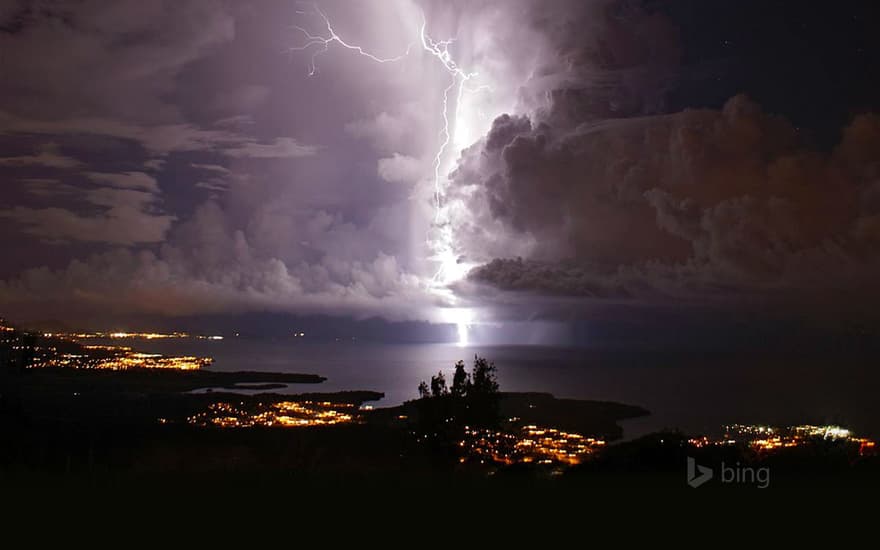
(442, 240)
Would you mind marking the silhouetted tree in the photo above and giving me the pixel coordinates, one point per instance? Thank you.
(460, 381)
(438, 385)
(424, 392)
(483, 396)
(473, 400)
(484, 380)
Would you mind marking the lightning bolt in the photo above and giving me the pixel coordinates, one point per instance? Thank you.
(324, 42)
(443, 246)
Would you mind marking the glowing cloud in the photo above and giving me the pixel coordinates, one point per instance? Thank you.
(442, 241)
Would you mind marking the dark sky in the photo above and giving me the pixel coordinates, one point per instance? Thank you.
(812, 63)
(604, 158)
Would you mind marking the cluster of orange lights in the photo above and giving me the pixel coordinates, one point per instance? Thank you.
(528, 444)
(122, 359)
(126, 335)
(105, 356)
(284, 414)
(769, 438)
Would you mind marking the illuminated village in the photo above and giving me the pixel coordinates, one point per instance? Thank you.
(121, 358)
(765, 439)
(284, 414)
(550, 446)
(127, 335)
(63, 350)
(528, 444)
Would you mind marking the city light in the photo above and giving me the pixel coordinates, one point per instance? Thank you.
(122, 359)
(529, 444)
(764, 439)
(64, 350)
(119, 335)
(284, 414)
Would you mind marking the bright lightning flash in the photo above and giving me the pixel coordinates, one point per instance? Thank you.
(450, 267)
(324, 43)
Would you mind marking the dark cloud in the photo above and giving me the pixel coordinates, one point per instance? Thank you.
(698, 202)
(47, 156)
(559, 278)
(156, 139)
(127, 180)
(126, 213)
(91, 59)
(278, 148)
(605, 59)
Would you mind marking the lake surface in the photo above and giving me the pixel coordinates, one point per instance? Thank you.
(695, 392)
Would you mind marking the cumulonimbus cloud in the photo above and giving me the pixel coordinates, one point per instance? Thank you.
(702, 202)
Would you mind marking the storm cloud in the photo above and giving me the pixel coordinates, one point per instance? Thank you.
(178, 159)
(697, 201)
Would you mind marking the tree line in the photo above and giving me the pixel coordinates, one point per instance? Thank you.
(471, 400)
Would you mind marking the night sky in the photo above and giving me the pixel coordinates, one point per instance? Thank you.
(650, 165)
